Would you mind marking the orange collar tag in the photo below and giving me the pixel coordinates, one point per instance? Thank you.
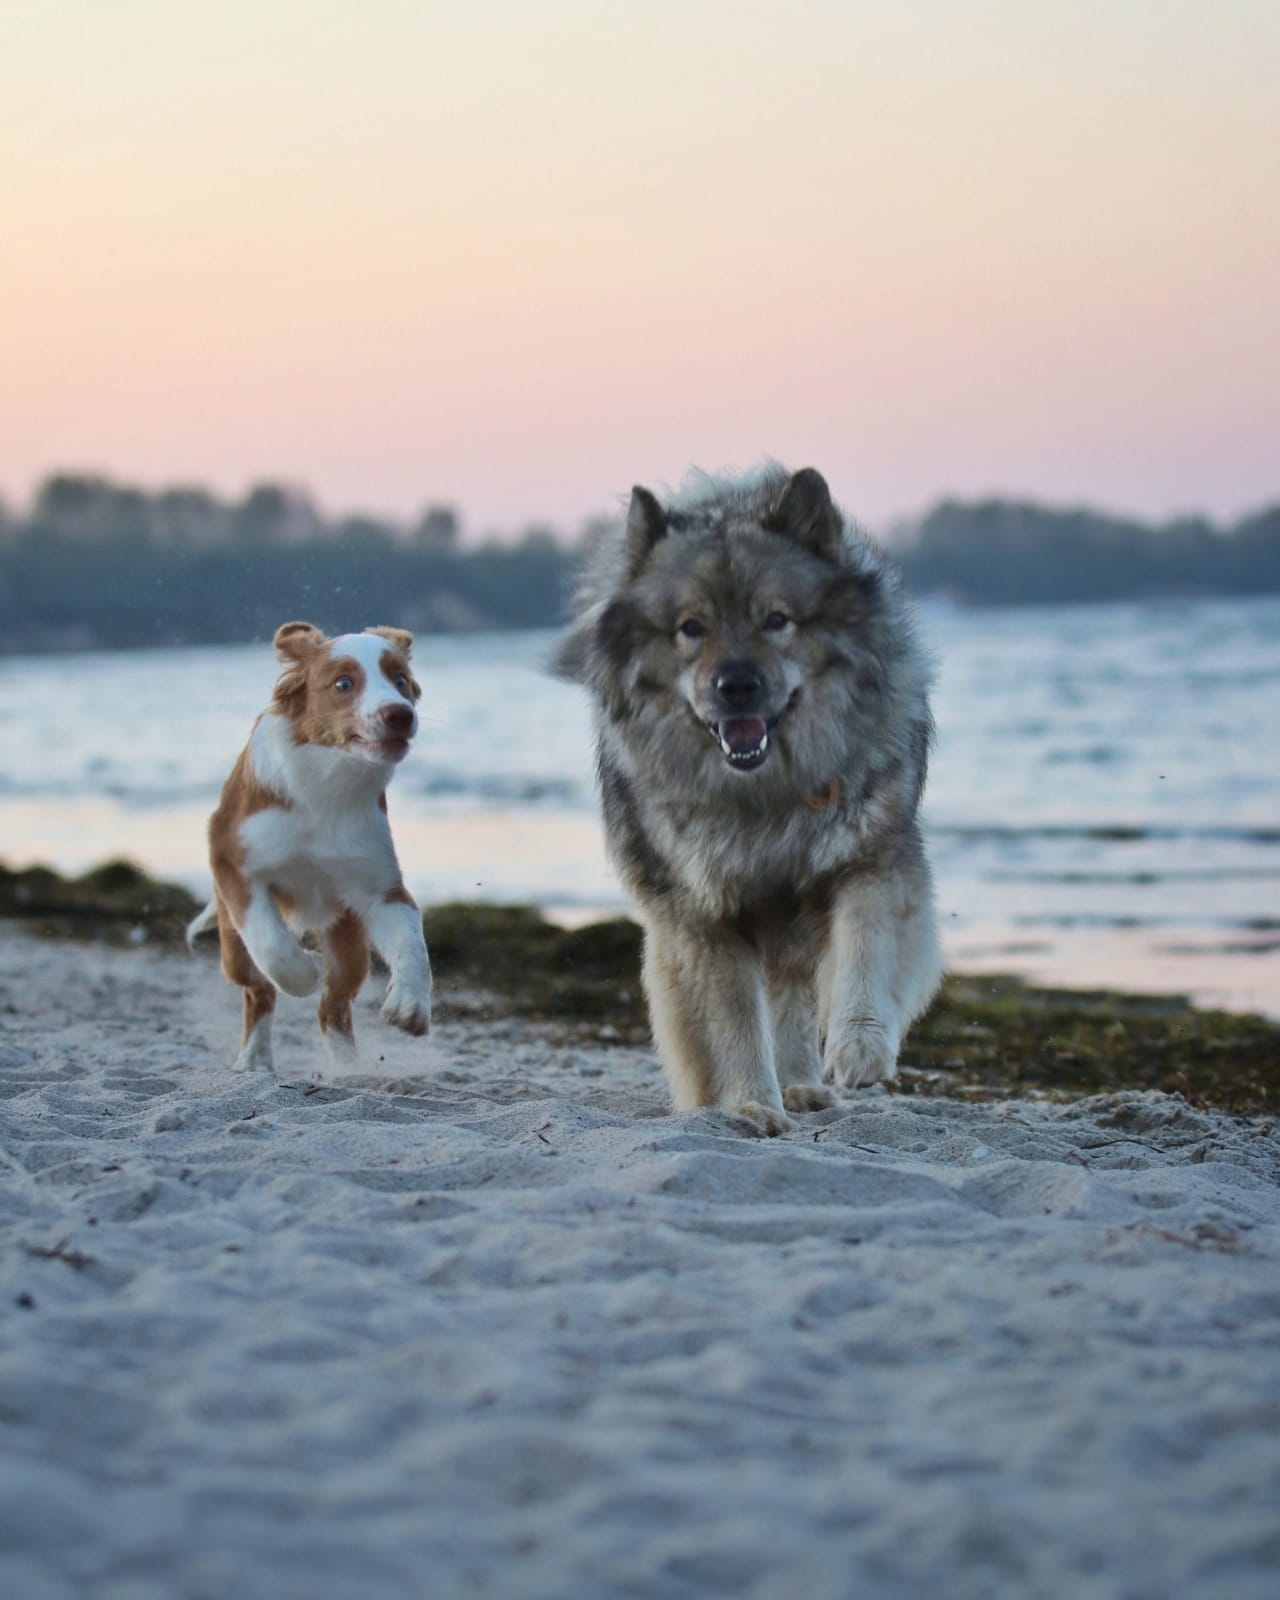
(825, 800)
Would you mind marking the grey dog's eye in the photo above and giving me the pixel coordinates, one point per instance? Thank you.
(691, 628)
(344, 684)
(776, 621)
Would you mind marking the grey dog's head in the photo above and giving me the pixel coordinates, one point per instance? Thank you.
(742, 634)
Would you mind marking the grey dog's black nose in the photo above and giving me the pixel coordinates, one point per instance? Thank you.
(738, 683)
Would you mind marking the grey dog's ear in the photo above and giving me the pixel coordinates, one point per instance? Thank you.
(646, 524)
(805, 512)
(569, 660)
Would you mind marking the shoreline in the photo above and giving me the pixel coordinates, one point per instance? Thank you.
(1225, 956)
(989, 1036)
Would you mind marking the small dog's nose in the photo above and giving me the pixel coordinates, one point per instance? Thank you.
(738, 683)
(397, 719)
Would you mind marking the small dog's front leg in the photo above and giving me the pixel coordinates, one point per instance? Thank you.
(395, 926)
(275, 950)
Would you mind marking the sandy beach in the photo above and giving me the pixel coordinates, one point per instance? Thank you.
(490, 1322)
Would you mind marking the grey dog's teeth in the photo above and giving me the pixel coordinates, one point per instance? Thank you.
(745, 755)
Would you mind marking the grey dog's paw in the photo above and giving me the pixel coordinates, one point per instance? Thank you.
(807, 1097)
(767, 1117)
(867, 1053)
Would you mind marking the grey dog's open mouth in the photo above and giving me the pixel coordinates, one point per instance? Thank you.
(744, 741)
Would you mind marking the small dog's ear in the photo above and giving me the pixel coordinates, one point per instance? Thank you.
(295, 641)
(646, 524)
(401, 638)
(805, 512)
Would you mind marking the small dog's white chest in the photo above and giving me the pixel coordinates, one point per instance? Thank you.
(321, 864)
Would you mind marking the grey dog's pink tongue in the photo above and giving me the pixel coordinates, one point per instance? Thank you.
(742, 734)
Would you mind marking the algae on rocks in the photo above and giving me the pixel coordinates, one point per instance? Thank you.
(983, 1038)
(116, 903)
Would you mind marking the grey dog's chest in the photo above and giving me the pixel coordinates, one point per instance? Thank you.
(726, 862)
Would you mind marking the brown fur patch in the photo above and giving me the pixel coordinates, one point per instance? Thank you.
(399, 896)
(825, 800)
(237, 965)
(242, 796)
(322, 713)
(393, 664)
(346, 966)
(399, 638)
(295, 641)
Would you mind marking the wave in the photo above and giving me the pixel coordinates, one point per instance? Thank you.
(1103, 832)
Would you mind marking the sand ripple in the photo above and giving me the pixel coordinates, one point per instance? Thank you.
(506, 1328)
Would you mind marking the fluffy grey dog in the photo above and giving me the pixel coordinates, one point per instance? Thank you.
(763, 732)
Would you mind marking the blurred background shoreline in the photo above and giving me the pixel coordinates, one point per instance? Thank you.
(93, 563)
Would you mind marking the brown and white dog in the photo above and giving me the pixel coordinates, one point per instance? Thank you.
(300, 841)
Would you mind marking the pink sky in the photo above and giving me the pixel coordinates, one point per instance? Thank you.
(519, 256)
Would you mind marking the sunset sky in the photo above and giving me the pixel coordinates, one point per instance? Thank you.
(518, 256)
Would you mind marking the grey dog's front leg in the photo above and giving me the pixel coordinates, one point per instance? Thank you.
(861, 1016)
(797, 1052)
(710, 1022)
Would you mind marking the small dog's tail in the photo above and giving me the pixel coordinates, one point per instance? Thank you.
(207, 919)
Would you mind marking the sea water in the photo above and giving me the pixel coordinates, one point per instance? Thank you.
(1102, 803)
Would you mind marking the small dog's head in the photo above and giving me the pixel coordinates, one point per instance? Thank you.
(355, 693)
(735, 630)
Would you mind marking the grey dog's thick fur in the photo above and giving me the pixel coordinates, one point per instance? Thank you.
(763, 732)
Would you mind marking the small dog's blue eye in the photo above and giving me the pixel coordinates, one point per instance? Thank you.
(691, 628)
(344, 684)
(401, 681)
(776, 621)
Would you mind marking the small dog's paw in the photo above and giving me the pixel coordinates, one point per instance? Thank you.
(807, 1097)
(771, 1120)
(867, 1053)
(294, 970)
(407, 1007)
(341, 1056)
(255, 1056)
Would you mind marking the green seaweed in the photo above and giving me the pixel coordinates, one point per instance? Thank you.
(115, 903)
(983, 1038)
(996, 1037)
(527, 966)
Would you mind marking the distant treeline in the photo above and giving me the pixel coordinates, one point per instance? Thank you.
(1007, 552)
(97, 564)
(94, 564)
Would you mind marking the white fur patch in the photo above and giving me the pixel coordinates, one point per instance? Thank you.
(368, 649)
(256, 1054)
